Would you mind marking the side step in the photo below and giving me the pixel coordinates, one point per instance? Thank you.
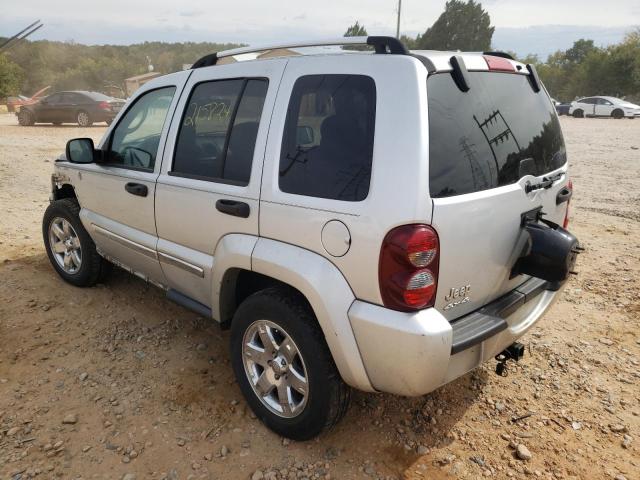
(188, 302)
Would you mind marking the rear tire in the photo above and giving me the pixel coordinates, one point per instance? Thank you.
(285, 319)
(83, 119)
(617, 114)
(578, 114)
(25, 118)
(69, 247)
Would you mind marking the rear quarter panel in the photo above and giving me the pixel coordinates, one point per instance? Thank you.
(398, 192)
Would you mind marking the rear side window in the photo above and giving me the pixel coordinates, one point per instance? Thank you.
(492, 135)
(327, 146)
(218, 132)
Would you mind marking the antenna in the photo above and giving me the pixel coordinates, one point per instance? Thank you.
(21, 35)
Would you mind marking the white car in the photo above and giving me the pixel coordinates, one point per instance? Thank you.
(603, 107)
(382, 220)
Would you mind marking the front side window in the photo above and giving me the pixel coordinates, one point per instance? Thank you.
(327, 146)
(218, 131)
(55, 98)
(134, 142)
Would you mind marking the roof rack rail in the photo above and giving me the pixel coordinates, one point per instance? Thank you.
(381, 45)
(499, 54)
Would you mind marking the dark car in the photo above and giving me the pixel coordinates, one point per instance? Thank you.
(83, 108)
(562, 108)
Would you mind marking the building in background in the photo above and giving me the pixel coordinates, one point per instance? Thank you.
(133, 83)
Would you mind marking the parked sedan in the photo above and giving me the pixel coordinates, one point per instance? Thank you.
(83, 108)
(603, 107)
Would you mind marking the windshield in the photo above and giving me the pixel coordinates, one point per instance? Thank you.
(492, 135)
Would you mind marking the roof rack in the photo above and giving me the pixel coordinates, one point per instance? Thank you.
(381, 45)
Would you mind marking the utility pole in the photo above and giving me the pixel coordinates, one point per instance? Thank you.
(398, 24)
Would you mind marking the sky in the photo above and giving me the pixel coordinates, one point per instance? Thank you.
(523, 26)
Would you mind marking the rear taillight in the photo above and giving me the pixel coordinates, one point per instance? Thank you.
(565, 224)
(408, 269)
(104, 106)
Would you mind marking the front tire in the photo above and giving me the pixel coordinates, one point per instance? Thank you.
(578, 114)
(69, 247)
(617, 114)
(26, 118)
(83, 119)
(283, 365)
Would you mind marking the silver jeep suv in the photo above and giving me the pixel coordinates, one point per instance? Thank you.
(383, 220)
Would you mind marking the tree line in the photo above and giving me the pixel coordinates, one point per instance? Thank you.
(584, 69)
(31, 66)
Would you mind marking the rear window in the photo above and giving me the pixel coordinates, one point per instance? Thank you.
(97, 96)
(492, 135)
(327, 146)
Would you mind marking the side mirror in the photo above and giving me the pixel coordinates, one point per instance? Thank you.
(81, 150)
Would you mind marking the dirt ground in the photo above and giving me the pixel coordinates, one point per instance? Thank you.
(117, 382)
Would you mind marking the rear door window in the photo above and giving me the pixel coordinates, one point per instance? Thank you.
(492, 135)
(327, 146)
(218, 132)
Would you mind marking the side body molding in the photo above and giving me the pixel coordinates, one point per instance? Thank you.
(328, 294)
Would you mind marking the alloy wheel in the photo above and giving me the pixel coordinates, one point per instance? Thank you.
(65, 245)
(83, 119)
(275, 368)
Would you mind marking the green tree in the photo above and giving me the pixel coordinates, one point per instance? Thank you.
(462, 26)
(410, 43)
(11, 77)
(356, 30)
(579, 51)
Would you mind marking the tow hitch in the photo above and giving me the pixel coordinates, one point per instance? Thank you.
(514, 352)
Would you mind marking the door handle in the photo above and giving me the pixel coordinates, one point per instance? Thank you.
(136, 189)
(233, 207)
(563, 195)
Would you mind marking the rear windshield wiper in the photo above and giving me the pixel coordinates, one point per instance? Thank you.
(546, 182)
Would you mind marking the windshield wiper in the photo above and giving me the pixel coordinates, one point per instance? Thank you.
(546, 182)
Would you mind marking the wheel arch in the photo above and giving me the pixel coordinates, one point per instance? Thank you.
(65, 190)
(313, 277)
